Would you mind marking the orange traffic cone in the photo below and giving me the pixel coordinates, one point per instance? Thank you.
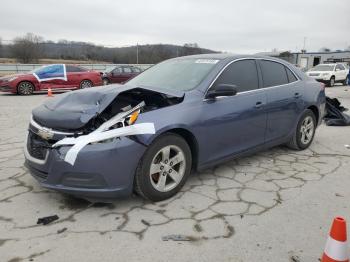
(336, 249)
(49, 92)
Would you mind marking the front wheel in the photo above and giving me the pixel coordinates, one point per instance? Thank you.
(105, 81)
(332, 81)
(305, 131)
(85, 84)
(164, 168)
(25, 88)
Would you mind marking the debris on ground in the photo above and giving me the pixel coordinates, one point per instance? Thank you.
(347, 146)
(47, 220)
(294, 258)
(145, 222)
(338, 195)
(61, 230)
(335, 115)
(198, 228)
(178, 238)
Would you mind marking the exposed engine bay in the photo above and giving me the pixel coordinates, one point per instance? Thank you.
(81, 112)
(129, 99)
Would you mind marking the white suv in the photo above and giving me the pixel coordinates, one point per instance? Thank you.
(329, 73)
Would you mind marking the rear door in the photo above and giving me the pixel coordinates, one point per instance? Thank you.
(284, 99)
(236, 123)
(127, 73)
(75, 75)
(117, 75)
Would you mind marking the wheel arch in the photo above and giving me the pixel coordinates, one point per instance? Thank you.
(28, 81)
(190, 140)
(316, 112)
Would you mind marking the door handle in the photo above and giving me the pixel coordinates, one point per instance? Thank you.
(297, 95)
(258, 104)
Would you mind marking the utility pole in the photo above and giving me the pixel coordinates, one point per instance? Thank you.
(304, 44)
(137, 53)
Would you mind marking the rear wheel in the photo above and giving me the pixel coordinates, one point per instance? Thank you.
(25, 88)
(332, 81)
(85, 84)
(345, 82)
(164, 168)
(305, 131)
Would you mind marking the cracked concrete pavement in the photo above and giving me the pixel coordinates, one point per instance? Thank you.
(270, 206)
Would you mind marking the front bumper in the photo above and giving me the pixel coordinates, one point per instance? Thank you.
(320, 78)
(6, 88)
(102, 171)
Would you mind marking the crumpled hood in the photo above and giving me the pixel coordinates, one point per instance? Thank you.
(73, 110)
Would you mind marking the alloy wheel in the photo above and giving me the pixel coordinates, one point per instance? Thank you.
(85, 84)
(307, 130)
(25, 88)
(167, 168)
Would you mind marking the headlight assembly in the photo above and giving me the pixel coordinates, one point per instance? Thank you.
(12, 78)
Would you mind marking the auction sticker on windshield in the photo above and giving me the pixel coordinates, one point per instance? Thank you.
(206, 61)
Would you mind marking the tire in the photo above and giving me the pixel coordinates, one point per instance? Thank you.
(105, 81)
(25, 88)
(159, 184)
(85, 84)
(345, 82)
(331, 81)
(300, 140)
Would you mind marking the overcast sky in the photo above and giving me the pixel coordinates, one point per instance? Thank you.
(244, 26)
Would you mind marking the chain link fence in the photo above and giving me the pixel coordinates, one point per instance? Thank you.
(23, 68)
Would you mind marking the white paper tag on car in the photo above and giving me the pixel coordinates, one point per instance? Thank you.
(206, 61)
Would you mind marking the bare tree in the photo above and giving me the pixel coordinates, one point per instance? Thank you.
(27, 48)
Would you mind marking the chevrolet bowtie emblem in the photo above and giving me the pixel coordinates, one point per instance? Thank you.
(45, 133)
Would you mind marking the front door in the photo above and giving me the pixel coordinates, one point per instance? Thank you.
(231, 125)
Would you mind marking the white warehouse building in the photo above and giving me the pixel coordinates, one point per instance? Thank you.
(310, 59)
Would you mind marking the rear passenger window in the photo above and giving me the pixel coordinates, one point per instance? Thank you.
(127, 70)
(273, 73)
(74, 69)
(242, 73)
(291, 76)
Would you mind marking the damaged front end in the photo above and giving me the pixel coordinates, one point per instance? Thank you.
(84, 139)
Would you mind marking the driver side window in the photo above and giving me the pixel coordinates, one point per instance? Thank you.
(242, 74)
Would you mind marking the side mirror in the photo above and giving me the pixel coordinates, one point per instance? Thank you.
(222, 90)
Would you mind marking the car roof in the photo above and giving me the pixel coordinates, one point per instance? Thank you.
(230, 56)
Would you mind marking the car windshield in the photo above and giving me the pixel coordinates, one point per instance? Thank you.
(323, 68)
(176, 74)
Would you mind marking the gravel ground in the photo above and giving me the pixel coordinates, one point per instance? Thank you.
(276, 205)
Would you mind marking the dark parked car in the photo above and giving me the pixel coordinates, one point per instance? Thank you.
(57, 77)
(183, 114)
(120, 74)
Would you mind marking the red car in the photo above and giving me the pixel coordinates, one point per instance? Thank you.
(120, 74)
(57, 77)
